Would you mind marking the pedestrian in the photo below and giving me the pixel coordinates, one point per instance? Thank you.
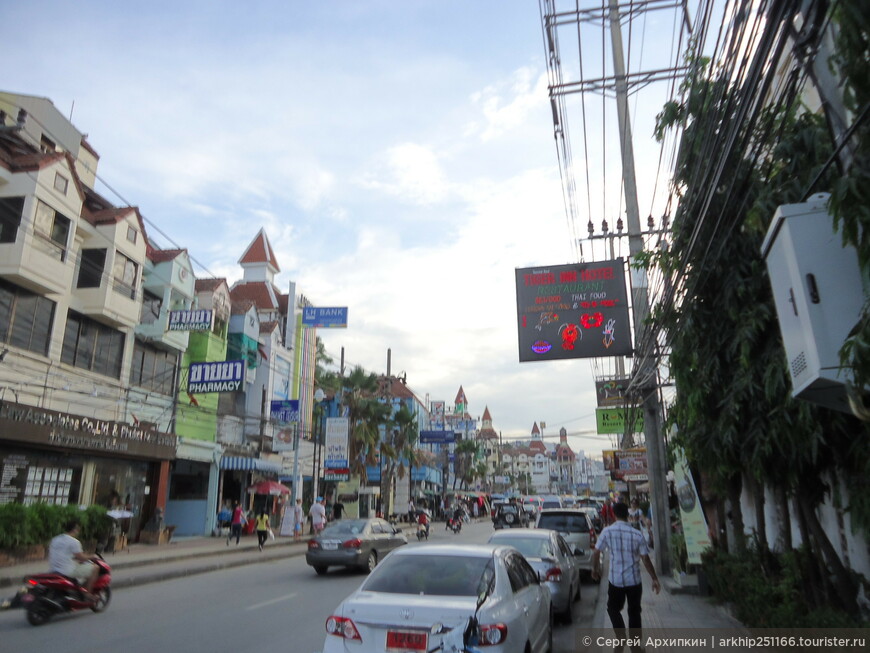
(318, 515)
(635, 514)
(627, 549)
(298, 519)
(337, 509)
(262, 528)
(412, 512)
(238, 520)
(607, 516)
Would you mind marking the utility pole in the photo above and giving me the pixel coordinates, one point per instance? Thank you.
(645, 373)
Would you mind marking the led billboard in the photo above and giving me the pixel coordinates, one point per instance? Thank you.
(570, 311)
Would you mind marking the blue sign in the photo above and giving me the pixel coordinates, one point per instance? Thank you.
(284, 411)
(436, 437)
(222, 376)
(330, 318)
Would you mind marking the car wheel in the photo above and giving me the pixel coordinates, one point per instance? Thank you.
(320, 570)
(372, 561)
(509, 519)
(568, 614)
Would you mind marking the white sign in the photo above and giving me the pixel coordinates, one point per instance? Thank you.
(336, 443)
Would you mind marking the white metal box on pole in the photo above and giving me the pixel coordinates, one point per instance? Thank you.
(818, 293)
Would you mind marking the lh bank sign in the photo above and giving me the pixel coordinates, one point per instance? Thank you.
(330, 318)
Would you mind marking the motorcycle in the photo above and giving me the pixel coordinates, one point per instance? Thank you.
(422, 532)
(454, 524)
(53, 593)
(460, 639)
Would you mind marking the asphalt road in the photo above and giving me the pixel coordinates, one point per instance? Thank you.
(274, 606)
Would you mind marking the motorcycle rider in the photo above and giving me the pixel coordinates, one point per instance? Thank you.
(65, 557)
(423, 520)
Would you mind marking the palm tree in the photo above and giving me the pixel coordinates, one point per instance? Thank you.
(397, 446)
(465, 453)
(365, 415)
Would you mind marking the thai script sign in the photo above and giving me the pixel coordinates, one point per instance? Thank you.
(336, 457)
(198, 320)
(222, 376)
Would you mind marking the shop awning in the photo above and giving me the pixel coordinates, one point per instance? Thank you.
(250, 464)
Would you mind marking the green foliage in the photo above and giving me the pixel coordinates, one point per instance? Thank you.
(768, 590)
(22, 526)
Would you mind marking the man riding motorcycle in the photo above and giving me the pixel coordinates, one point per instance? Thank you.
(65, 556)
(423, 520)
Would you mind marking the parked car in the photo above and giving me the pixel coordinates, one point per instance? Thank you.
(510, 515)
(595, 516)
(353, 543)
(551, 501)
(576, 527)
(420, 593)
(553, 559)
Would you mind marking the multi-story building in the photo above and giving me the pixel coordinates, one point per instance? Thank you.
(74, 423)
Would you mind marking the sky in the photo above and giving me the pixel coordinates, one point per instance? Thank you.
(399, 155)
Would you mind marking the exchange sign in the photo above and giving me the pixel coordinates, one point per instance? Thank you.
(573, 311)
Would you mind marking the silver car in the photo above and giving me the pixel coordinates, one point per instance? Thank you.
(576, 527)
(358, 543)
(550, 556)
(421, 595)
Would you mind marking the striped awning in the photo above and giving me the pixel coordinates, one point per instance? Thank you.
(250, 464)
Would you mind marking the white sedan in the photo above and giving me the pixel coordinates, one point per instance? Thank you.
(418, 595)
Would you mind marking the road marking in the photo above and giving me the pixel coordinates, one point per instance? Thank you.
(286, 597)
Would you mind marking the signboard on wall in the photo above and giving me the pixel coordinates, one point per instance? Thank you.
(198, 320)
(611, 393)
(220, 376)
(437, 437)
(573, 311)
(337, 456)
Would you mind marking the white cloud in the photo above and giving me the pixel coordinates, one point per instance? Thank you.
(408, 171)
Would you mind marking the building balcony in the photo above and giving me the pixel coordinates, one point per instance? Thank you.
(112, 302)
(37, 263)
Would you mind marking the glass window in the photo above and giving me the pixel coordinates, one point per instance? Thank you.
(93, 262)
(11, 209)
(439, 575)
(125, 273)
(153, 369)
(61, 183)
(54, 228)
(132, 234)
(89, 345)
(25, 318)
(151, 305)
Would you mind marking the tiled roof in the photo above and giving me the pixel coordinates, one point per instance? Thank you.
(487, 434)
(206, 285)
(460, 397)
(163, 255)
(260, 251)
(486, 415)
(89, 148)
(268, 327)
(255, 291)
(240, 307)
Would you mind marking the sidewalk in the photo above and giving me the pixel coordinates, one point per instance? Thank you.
(149, 563)
(672, 608)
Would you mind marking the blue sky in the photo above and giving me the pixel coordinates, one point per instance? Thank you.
(399, 155)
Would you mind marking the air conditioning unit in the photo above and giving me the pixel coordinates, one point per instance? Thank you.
(818, 290)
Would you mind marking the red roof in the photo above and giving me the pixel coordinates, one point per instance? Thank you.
(163, 255)
(206, 285)
(260, 251)
(255, 291)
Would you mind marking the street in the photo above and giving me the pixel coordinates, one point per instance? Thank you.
(275, 606)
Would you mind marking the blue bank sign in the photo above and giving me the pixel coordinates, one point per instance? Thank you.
(285, 411)
(322, 317)
(436, 437)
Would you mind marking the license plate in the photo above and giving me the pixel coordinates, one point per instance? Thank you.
(405, 640)
(330, 546)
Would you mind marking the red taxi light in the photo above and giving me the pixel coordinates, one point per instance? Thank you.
(342, 627)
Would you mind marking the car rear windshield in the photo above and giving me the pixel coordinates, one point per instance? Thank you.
(432, 575)
(564, 523)
(345, 527)
(530, 547)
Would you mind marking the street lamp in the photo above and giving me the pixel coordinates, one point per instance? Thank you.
(319, 396)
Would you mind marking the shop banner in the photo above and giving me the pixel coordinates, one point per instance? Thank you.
(336, 444)
(220, 376)
(694, 523)
(198, 320)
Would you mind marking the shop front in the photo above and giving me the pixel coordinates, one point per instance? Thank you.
(62, 458)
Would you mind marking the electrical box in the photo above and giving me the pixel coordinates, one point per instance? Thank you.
(819, 294)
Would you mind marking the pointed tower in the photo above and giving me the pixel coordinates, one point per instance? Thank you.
(259, 262)
(461, 402)
(486, 431)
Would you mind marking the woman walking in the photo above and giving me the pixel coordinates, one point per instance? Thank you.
(236, 524)
(262, 528)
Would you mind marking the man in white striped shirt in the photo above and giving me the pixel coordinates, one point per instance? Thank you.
(627, 548)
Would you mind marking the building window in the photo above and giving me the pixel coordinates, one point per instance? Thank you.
(11, 209)
(93, 262)
(61, 183)
(54, 228)
(151, 305)
(132, 234)
(153, 368)
(125, 273)
(47, 145)
(89, 345)
(25, 318)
